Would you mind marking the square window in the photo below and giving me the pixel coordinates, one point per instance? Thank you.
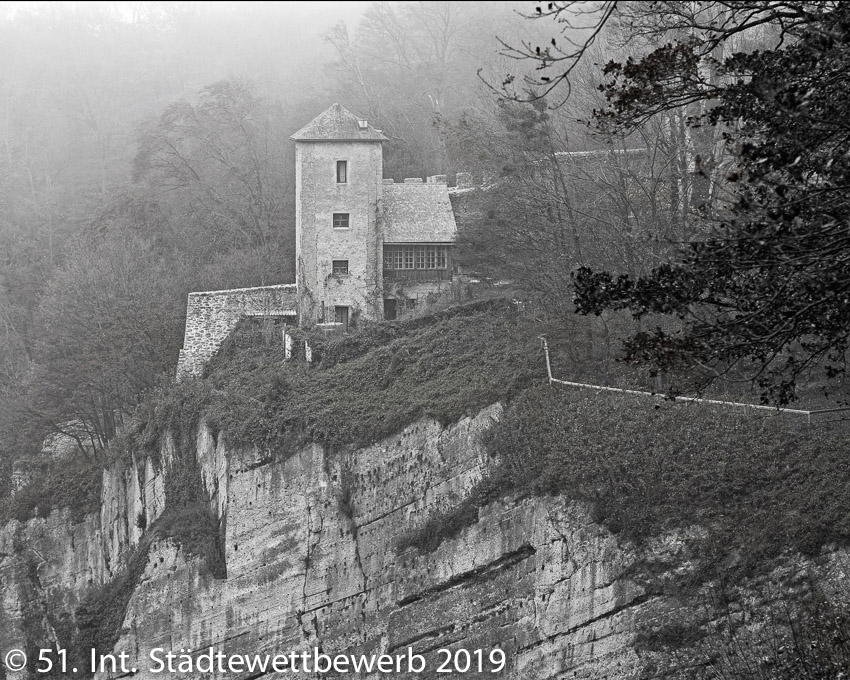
(341, 221)
(341, 172)
(340, 266)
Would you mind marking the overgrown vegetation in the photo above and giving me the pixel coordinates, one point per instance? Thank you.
(806, 642)
(71, 482)
(186, 183)
(451, 522)
(100, 615)
(756, 484)
(362, 388)
(759, 485)
(186, 518)
(339, 349)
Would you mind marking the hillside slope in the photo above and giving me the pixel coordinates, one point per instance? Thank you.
(422, 487)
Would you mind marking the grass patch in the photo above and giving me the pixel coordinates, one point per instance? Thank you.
(759, 484)
(338, 350)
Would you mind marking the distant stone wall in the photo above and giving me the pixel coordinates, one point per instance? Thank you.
(211, 315)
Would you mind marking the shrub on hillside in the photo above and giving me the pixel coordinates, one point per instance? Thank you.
(787, 642)
(71, 482)
(758, 484)
(367, 386)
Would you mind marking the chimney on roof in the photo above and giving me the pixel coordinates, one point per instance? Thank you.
(363, 124)
(413, 180)
(437, 179)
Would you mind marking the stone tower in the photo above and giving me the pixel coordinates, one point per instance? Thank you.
(338, 178)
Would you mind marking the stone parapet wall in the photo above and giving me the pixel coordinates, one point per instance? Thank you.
(212, 315)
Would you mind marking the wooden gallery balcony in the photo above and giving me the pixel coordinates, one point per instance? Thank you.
(418, 262)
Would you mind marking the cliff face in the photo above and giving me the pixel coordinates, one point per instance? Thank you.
(311, 561)
(310, 554)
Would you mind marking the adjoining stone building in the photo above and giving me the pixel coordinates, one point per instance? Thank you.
(366, 247)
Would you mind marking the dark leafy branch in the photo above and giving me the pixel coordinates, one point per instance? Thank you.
(770, 291)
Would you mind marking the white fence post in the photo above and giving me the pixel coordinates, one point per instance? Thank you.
(287, 344)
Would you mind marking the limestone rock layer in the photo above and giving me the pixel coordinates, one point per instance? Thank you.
(312, 562)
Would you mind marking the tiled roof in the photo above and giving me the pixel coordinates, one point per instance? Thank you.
(337, 124)
(418, 213)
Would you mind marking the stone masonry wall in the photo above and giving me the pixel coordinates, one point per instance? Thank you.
(318, 197)
(211, 315)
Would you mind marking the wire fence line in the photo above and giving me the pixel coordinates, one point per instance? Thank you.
(739, 404)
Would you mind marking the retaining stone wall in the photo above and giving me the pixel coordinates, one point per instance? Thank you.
(212, 315)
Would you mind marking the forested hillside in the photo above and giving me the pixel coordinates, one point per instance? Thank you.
(677, 167)
(144, 153)
(658, 188)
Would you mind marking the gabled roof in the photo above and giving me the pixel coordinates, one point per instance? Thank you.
(337, 124)
(418, 213)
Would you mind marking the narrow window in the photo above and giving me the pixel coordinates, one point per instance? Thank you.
(341, 221)
(340, 266)
(341, 172)
(441, 257)
(431, 257)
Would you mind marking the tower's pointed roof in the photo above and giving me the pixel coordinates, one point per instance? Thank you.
(339, 125)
